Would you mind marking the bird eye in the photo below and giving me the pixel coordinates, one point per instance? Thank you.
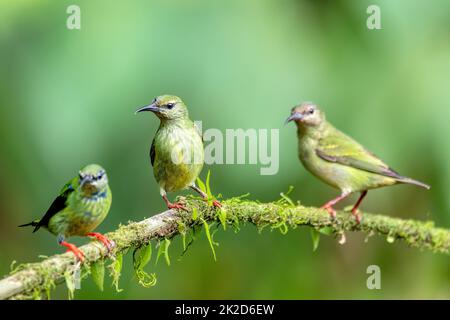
(170, 105)
(311, 111)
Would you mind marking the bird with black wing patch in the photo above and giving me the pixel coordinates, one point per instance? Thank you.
(82, 204)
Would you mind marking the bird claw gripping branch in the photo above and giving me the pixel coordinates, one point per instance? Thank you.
(109, 244)
(330, 210)
(73, 248)
(217, 204)
(174, 205)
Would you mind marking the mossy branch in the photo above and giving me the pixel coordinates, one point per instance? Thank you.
(34, 278)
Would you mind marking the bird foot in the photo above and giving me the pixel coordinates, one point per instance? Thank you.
(357, 216)
(73, 248)
(109, 244)
(176, 205)
(217, 204)
(330, 210)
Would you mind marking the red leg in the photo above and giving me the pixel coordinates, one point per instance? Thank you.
(73, 248)
(174, 205)
(355, 207)
(215, 203)
(108, 243)
(329, 205)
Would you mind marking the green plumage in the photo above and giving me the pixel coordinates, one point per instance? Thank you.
(341, 162)
(178, 154)
(337, 159)
(177, 149)
(83, 203)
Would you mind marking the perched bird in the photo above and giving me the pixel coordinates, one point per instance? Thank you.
(338, 160)
(176, 153)
(80, 207)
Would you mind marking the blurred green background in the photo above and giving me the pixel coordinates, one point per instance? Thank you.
(68, 97)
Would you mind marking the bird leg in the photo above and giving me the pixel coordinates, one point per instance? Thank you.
(329, 205)
(215, 203)
(174, 205)
(72, 248)
(108, 243)
(355, 207)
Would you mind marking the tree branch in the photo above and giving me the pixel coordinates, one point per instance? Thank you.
(35, 277)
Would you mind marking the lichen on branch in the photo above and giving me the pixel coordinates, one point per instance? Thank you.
(35, 279)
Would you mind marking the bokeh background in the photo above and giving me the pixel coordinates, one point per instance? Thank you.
(68, 96)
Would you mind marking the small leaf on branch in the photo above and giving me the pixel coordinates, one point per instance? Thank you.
(208, 236)
(315, 236)
(98, 273)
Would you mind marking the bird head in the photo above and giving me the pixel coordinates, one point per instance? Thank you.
(306, 114)
(92, 179)
(167, 107)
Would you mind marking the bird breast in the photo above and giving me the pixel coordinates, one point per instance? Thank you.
(179, 157)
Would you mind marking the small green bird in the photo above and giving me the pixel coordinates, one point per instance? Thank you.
(176, 153)
(338, 160)
(82, 204)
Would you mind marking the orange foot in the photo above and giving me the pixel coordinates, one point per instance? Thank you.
(176, 205)
(357, 215)
(330, 210)
(217, 204)
(73, 248)
(108, 243)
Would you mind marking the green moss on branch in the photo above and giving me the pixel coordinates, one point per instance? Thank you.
(31, 280)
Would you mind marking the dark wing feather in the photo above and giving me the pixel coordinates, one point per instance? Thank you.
(57, 205)
(340, 148)
(152, 152)
(359, 164)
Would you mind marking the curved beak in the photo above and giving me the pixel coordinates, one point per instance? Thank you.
(85, 180)
(292, 117)
(152, 107)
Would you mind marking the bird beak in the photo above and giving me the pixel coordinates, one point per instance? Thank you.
(85, 180)
(152, 107)
(292, 117)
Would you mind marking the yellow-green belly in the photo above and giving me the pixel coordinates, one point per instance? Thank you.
(179, 158)
(81, 216)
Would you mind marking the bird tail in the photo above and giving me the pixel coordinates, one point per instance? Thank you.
(34, 224)
(414, 182)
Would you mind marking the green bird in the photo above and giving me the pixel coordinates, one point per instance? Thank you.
(82, 204)
(338, 160)
(176, 153)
